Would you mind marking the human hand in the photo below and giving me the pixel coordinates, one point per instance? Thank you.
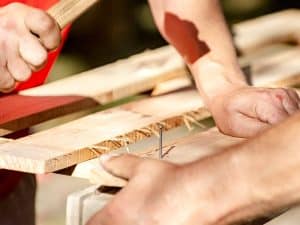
(246, 111)
(26, 34)
(163, 193)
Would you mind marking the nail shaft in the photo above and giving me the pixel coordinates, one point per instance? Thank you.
(160, 152)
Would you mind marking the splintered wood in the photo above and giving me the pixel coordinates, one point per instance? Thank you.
(77, 141)
(84, 139)
(101, 132)
(181, 151)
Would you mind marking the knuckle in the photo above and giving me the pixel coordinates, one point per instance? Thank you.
(46, 23)
(281, 91)
(7, 83)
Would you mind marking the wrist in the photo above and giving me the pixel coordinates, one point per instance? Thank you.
(214, 78)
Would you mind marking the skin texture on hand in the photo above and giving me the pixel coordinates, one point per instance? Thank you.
(26, 36)
(256, 177)
(246, 111)
(161, 193)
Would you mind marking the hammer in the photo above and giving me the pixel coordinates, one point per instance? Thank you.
(66, 11)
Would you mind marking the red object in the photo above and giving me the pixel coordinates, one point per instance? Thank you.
(9, 179)
(39, 77)
(17, 107)
(183, 35)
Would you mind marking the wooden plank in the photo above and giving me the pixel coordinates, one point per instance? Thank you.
(19, 112)
(99, 86)
(255, 58)
(278, 70)
(71, 143)
(279, 27)
(74, 142)
(66, 11)
(184, 150)
(123, 78)
(110, 83)
(291, 217)
(106, 84)
(172, 85)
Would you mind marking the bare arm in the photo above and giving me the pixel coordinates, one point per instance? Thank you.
(267, 169)
(197, 29)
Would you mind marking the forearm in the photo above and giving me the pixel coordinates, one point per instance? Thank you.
(198, 31)
(257, 177)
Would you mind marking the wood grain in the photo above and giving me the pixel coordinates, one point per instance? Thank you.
(66, 11)
(99, 86)
(123, 78)
(281, 27)
(110, 83)
(181, 151)
(84, 139)
(77, 141)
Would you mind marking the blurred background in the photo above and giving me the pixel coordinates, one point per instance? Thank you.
(119, 28)
(112, 30)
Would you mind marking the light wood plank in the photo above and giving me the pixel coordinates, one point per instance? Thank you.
(184, 150)
(66, 11)
(291, 217)
(100, 86)
(172, 85)
(50, 101)
(279, 27)
(277, 70)
(71, 143)
(112, 82)
(124, 78)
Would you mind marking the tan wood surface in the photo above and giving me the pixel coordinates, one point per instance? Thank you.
(66, 11)
(279, 27)
(172, 85)
(99, 86)
(291, 217)
(184, 150)
(146, 71)
(71, 143)
(83, 139)
(121, 79)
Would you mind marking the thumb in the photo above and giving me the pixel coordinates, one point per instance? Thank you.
(122, 166)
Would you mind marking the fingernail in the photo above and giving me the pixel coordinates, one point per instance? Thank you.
(106, 157)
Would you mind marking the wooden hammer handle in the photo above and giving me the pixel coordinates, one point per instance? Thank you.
(66, 11)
